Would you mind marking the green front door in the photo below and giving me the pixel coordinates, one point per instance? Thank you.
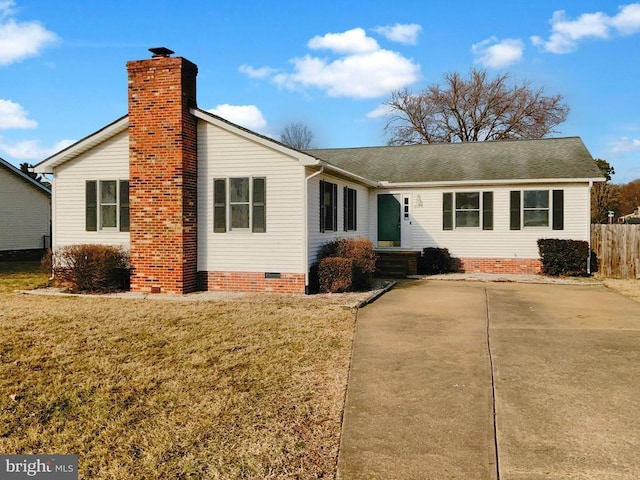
(388, 220)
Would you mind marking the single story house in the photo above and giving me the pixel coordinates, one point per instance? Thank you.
(25, 214)
(202, 203)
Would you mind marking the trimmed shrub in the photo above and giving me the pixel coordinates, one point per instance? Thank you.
(360, 251)
(92, 268)
(437, 260)
(565, 257)
(335, 274)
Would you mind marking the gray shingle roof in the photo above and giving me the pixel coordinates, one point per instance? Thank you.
(555, 158)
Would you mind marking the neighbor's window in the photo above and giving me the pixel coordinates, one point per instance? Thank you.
(239, 203)
(350, 208)
(464, 209)
(532, 208)
(107, 205)
(467, 209)
(328, 206)
(535, 208)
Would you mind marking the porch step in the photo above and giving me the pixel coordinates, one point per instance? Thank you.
(396, 264)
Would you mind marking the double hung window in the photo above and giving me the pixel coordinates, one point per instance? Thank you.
(107, 205)
(239, 203)
(467, 209)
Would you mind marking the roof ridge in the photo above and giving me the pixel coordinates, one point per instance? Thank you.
(451, 144)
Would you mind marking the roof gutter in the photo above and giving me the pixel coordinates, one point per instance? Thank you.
(454, 183)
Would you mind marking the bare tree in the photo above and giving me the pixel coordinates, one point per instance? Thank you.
(605, 196)
(471, 110)
(297, 135)
(630, 197)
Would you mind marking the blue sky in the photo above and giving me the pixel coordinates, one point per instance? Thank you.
(328, 64)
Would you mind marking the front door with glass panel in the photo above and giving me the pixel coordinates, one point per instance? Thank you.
(389, 220)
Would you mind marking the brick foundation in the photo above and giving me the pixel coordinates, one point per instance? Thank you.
(501, 265)
(251, 282)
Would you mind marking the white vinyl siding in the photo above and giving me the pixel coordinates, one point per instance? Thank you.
(501, 242)
(317, 238)
(106, 162)
(224, 155)
(24, 213)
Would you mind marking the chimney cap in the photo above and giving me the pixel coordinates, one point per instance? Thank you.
(161, 52)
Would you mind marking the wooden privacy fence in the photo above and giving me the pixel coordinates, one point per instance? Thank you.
(618, 250)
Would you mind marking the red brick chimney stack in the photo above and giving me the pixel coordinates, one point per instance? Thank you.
(162, 173)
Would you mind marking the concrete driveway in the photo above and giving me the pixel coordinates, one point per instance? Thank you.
(471, 380)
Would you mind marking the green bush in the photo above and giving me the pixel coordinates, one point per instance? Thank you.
(335, 274)
(437, 260)
(565, 257)
(360, 251)
(91, 268)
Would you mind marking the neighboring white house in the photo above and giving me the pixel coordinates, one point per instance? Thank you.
(25, 214)
(204, 203)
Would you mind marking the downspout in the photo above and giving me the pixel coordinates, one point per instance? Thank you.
(51, 220)
(305, 216)
(589, 229)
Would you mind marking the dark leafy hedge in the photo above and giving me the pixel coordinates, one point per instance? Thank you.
(565, 257)
(362, 257)
(437, 260)
(335, 274)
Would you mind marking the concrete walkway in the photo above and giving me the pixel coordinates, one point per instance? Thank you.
(565, 360)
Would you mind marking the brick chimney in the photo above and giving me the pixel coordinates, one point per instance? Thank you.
(162, 173)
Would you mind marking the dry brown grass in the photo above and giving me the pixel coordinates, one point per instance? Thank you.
(250, 388)
(21, 276)
(628, 288)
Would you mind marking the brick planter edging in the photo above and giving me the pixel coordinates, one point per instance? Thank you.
(251, 282)
(501, 265)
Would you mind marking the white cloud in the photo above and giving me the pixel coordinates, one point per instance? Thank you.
(256, 72)
(12, 115)
(401, 33)
(31, 149)
(381, 110)
(350, 42)
(626, 144)
(366, 75)
(566, 33)
(359, 68)
(20, 40)
(492, 53)
(627, 21)
(247, 116)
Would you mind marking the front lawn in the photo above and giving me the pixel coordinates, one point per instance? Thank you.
(21, 276)
(246, 388)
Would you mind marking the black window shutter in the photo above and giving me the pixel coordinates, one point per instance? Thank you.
(354, 208)
(447, 211)
(487, 210)
(345, 208)
(91, 206)
(259, 205)
(558, 209)
(515, 210)
(219, 205)
(334, 206)
(322, 205)
(124, 205)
